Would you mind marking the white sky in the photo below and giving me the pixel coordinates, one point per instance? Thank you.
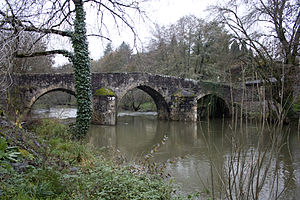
(162, 12)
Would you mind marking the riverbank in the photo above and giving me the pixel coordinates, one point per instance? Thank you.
(46, 163)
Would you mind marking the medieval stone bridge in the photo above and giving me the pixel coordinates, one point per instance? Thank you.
(175, 98)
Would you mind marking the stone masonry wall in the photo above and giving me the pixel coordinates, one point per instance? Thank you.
(30, 87)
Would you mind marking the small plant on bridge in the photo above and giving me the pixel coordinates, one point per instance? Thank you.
(104, 92)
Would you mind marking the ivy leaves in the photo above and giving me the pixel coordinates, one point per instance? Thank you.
(81, 64)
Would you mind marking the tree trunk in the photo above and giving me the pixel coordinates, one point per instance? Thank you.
(81, 64)
(136, 108)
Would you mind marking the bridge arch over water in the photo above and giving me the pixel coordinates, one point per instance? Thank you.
(47, 91)
(212, 105)
(162, 107)
(175, 98)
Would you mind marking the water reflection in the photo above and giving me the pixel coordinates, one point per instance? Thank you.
(197, 146)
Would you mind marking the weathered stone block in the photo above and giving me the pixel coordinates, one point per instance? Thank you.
(104, 110)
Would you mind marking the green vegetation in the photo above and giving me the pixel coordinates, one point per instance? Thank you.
(7, 154)
(183, 94)
(53, 166)
(104, 92)
(137, 100)
(148, 106)
(82, 75)
(204, 53)
(296, 104)
(54, 99)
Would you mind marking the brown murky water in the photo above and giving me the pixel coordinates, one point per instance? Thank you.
(207, 149)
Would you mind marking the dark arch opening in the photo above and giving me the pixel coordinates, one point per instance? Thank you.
(159, 101)
(59, 99)
(161, 105)
(212, 106)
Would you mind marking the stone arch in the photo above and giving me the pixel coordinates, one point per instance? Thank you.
(38, 94)
(128, 88)
(162, 107)
(227, 110)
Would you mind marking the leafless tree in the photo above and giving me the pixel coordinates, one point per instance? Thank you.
(63, 18)
(271, 28)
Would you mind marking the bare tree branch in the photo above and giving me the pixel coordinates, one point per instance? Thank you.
(46, 53)
(100, 36)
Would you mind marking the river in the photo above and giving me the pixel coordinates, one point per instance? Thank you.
(193, 153)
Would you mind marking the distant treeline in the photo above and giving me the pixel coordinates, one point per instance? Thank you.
(190, 48)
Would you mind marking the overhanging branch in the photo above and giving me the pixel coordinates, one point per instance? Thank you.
(13, 21)
(100, 36)
(47, 53)
(48, 31)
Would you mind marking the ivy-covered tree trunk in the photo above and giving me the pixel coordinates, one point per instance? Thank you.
(81, 64)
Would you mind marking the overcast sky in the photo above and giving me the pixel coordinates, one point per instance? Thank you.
(162, 12)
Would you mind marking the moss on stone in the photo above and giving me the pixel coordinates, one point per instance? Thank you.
(104, 92)
(178, 94)
(183, 93)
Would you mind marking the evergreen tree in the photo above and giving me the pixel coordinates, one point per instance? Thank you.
(108, 49)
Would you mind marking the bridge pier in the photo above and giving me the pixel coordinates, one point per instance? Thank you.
(162, 114)
(104, 110)
(183, 108)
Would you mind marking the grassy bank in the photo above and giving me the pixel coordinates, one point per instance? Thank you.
(47, 164)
